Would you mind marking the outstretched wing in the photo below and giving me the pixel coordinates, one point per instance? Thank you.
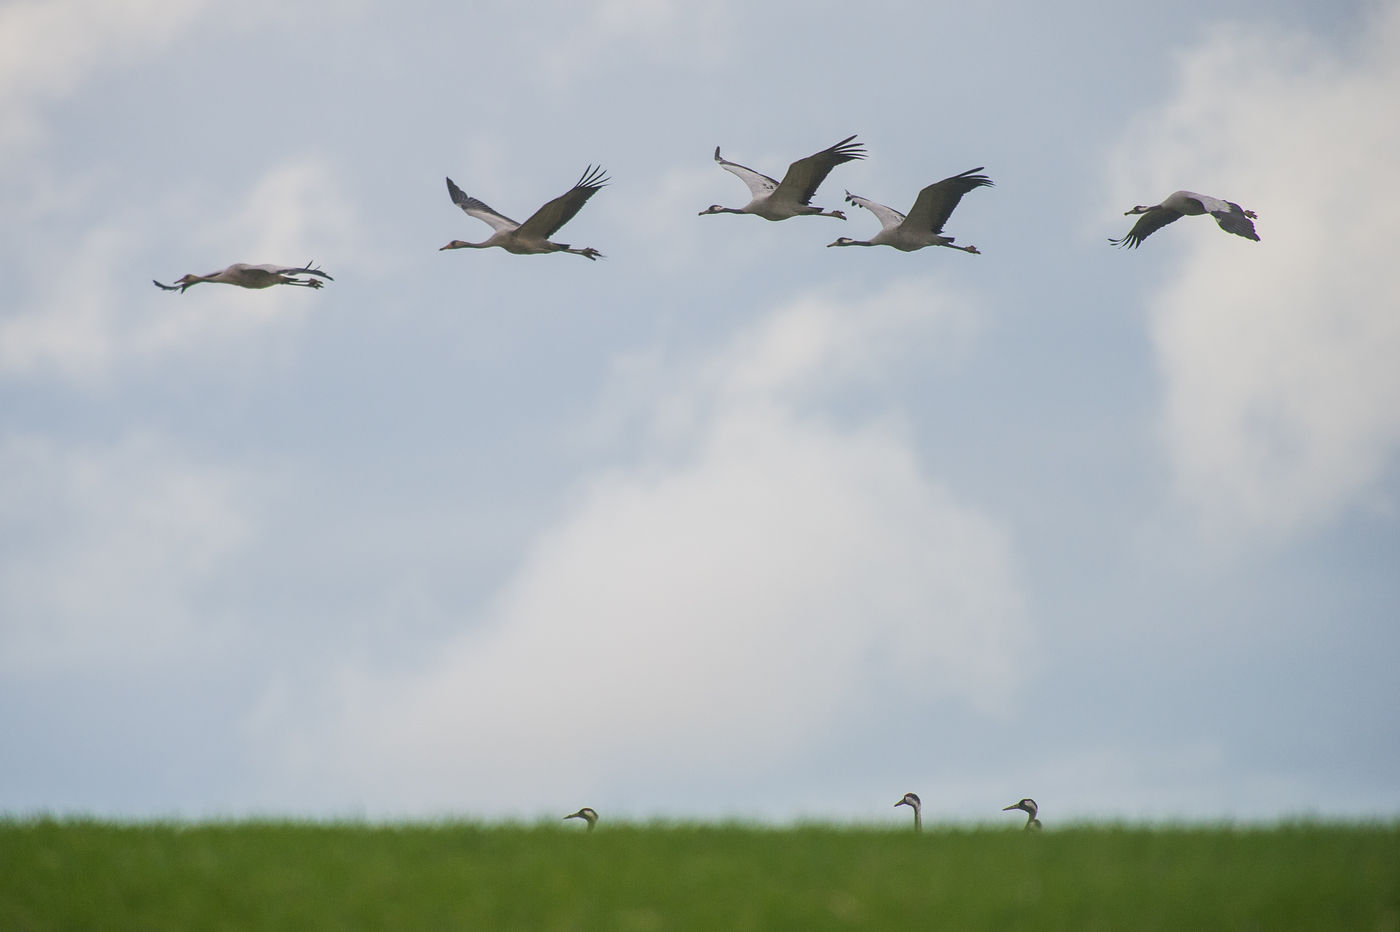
(935, 203)
(888, 216)
(758, 183)
(1235, 219)
(806, 175)
(544, 222)
(308, 269)
(1149, 223)
(474, 208)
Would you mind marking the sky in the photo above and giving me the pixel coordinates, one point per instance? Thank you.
(727, 524)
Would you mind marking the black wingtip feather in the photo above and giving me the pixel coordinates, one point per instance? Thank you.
(847, 150)
(593, 177)
(456, 193)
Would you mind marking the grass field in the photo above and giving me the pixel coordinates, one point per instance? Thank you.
(288, 875)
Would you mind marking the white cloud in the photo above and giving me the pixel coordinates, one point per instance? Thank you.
(48, 48)
(298, 202)
(106, 550)
(588, 37)
(761, 579)
(797, 356)
(1279, 357)
(820, 341)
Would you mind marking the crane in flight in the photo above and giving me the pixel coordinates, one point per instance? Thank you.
(531, 237)
(791, 197)
(253, 276)
(1231, 216)
(924, 224)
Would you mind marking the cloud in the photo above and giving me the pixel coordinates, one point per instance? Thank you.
(48, 48)
(756, 581)
(298, 202)
(106, 548)
(1278, 358)
(81, 325)
(663, 32)
(800, 356)
(1166, 778)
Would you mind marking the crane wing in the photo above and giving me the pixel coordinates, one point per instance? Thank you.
(544, 222)
(1235, 219)
(474, 208)
(935, 203)
(758, 183)
(806, 175)
(888, 216)
(1150, 222)
(308, 269)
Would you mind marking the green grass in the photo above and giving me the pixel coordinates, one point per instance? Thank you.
(287, 875)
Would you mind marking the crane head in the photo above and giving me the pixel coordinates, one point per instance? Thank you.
(587, 814)
(181, 283)
(1025, 805)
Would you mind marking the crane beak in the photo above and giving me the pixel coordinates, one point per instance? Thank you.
(1010, 807)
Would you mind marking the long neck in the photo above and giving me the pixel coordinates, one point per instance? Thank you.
(918, 819)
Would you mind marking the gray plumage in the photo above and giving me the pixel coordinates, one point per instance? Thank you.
(791, 197)
(923, 226)
(532, 236)
(1231, 216)
(253, 276)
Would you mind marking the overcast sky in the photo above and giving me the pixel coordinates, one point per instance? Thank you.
(728, 523)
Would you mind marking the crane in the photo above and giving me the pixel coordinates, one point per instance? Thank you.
(792, 197)
(532, 236)
(912, 801)
(1027, 806)
(1231, 216)
(924, 224)
(586, 814)
(253, 276)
